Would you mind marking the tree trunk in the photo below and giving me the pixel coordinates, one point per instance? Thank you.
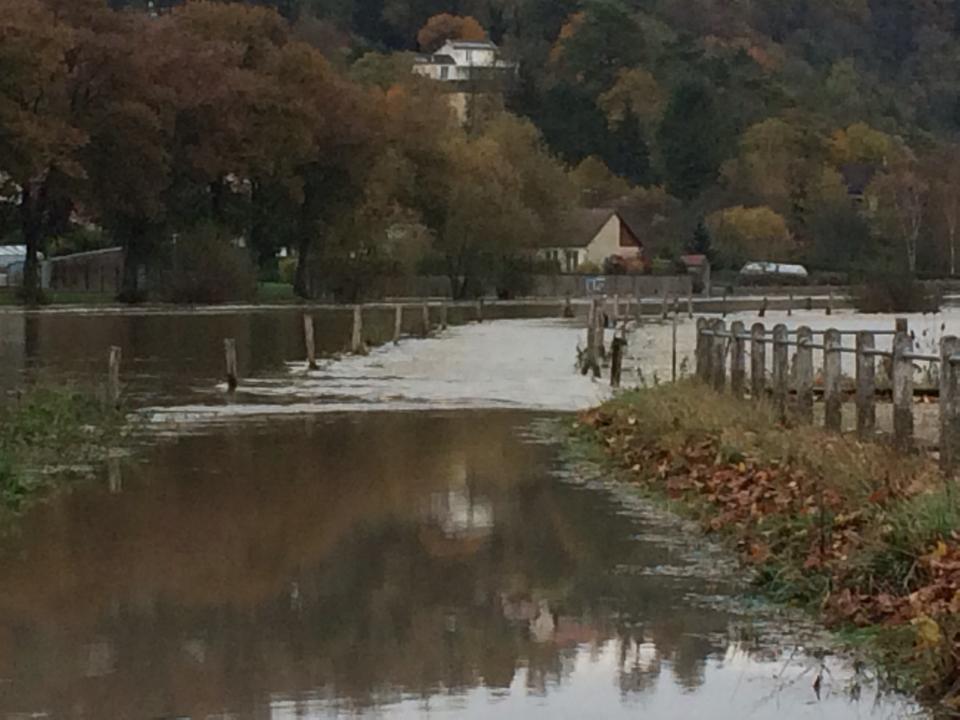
(31, 225)
(301, 281)
(133, 239)
(953, 252)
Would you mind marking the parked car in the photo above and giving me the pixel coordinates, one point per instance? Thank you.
(770, 273)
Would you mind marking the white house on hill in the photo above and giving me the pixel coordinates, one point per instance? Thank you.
(463, 61)
(592, 235)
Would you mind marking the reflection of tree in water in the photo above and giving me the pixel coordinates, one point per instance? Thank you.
(362, 559)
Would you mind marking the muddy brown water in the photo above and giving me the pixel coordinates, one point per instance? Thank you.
(373, 564)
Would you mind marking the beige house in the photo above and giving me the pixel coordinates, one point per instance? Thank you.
(592, 235)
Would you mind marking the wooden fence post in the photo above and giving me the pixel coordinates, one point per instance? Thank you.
(719, 349)
(113, 388)
(356, 336)
(230, 356)
(902, 392)
(701, 349)
(804, 374)
(616, 360)
(590, 360)
(673, 342)
(690, 302)
(443, 316)
(949, 405)
(758, 361)
(866, 386)
(666, 304)
(738, 359)
(790, 305)
(723, 305)
(601, 335)
(809, 305)
(425, 320)
(832, 372)
(567, 308)
(308, 341)
(763, 308)
(479, 310)
(830, 302)
(616, 306)
(397, 323)
(781, 370)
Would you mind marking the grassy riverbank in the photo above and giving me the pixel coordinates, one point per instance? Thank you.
(49, 437)
(868, 539)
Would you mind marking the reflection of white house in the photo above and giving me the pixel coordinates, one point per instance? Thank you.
(462, 61)
(12, 258)
(592, 235)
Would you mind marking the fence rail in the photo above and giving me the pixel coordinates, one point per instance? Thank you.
(715, 343)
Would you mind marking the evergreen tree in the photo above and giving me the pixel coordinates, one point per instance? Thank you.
(690, 140)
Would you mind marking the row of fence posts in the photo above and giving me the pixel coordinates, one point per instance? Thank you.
(765, 302)
(358, 345)
(597, 318)
(715, 342)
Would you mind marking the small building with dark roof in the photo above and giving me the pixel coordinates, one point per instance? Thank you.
(592, 235)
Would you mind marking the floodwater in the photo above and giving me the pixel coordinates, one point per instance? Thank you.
(395, 536)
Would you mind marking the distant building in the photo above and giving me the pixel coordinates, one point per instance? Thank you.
(12, 258)
(464, 61)
(92, 271)
(592, 235)
(472, 72)
(857, 177)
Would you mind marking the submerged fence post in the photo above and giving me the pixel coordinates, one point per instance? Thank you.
(356, 337)
(719, 348)
(397, 323)
(949, 405)
(479, 310)
(805, 374)
(616, 306)
(690, 302)
(723, 305)
(866, 386)
(790, 305)
(443, 316)
(763, 308)
(781, 370)
(832, 371)
(616, 360)
(590, 360)
(666, 305)
(230, 356)
(830, 302)
(567, 308)
(308, 341)
(673, 342)
(425, 320)
(902, 391)
(700, 352)
(758, 361)
(738, 360)
(113, 388)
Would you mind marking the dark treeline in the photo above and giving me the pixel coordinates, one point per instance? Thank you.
(756, 129)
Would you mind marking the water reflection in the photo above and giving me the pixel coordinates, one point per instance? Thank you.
(374, 565)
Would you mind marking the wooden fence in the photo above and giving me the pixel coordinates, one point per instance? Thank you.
(716, 343)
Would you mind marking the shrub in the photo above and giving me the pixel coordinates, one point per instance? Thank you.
(206, 267)
(888, 293)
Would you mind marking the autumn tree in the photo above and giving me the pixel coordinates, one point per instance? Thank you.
(898, 201)
(740, 234)
(39, 144)
(445, 26)
(942, 169)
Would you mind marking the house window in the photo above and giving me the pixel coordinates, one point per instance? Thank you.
(572, 260)
(444, 73)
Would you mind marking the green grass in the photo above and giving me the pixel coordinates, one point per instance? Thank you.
(274, 292)
(50, 436)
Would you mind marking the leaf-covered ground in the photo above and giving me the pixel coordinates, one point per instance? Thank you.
(866, 537)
